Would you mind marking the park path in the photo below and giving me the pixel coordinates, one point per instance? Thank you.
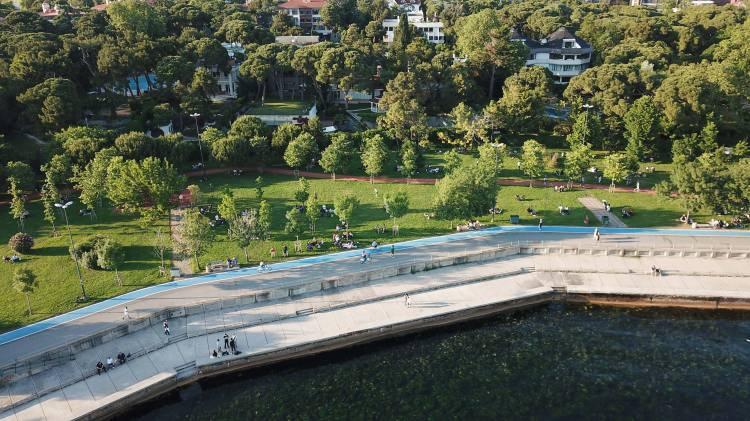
(597, 208)
(403, 180)
(180, 262)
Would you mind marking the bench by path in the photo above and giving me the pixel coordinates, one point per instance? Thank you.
(597, 208)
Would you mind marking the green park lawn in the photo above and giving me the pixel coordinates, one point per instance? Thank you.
(281, 108)
(58, 282)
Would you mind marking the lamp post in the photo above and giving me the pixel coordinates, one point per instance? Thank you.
(587, 107)
(200, 147)
(64, 207)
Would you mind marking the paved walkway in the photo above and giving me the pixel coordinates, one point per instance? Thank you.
(277, 325)
(597, 208)
(84, 322)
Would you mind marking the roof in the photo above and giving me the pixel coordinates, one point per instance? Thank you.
(555, 39)
(303, 4)
(298, 39)
(517, 35)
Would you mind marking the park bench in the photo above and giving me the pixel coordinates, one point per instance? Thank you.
(697, 225)
(216, 267)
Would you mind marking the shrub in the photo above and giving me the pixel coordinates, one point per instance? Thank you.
(96, 252)
(21, 242)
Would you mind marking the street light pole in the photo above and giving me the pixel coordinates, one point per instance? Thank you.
(64, 207)
(586, 120)
(200, 147)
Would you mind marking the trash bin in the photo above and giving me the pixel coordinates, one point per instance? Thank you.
(605, 220)
(514, 219)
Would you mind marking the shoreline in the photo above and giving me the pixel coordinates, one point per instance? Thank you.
(154, 392)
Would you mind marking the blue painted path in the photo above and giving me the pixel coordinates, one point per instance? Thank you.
(333, 257)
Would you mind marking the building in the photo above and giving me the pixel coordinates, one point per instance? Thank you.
(298, 40)
(432, 31)
(405, 6)
(228, 82)
(50, 11)
(563, 53)
(306, 15)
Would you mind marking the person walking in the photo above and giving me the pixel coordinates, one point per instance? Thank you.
(407, 301)
(393, 250)
(597, 234)
(125, 314)
(541, 223)
(166, 328)
(363, 258)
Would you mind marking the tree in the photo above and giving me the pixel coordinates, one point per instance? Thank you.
(135, 17)
(17, 204)
(244, 230)
(618, 167)
(20, 173)
(408, 159)
(483, 38)
(52, 104)
(312, 211)
(82, 143)
(641, 128)
(194, 234)
(703, 183)
(144, 187)
(259, 188)
(525, 94)
(396, 205)
(491, 156)
(587, 129)
(195, 191)
(110, 256)
(227, 207)
(92, 180)
(300, 151)
(264, 219)
(231, 150)
(344, 206)
(173, 69)
(405, 119)
(135, 145)
(303, 190)
(577, 161)
(296, 222)
(532, 160)
(451, 161)
(374, 156)
(24, 281)
(162, 242)
(466, 192)
(50, 196)
(285, 134)
(21, 242)
(335, 157)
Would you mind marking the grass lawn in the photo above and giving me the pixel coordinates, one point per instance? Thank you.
(281, 108)
(55, 270)
(650, 211)
(58, 282)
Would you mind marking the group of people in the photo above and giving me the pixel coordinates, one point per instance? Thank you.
(231, 262)
(230, 346)
(121, 359)
(326, 211)
(12, 259)
(237, 172)
(561, 188)
(314, 244)
(531, 211)
(344, 240)
(473, 224)
(564, 210)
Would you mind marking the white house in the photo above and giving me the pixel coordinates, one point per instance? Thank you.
(306, 15)
(432, 31)
(563, 53)
(405, 6)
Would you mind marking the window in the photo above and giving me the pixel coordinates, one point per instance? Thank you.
(532, 56)
(568, 44)
(555, 56)
(585, 56)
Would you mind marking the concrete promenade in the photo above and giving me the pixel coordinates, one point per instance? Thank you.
(310, 321)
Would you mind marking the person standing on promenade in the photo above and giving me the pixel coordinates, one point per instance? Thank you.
(407, 301)
(166, 328)
(226, 341)
(596, 234)
(393, 250)
(125, 314)
(541, 223)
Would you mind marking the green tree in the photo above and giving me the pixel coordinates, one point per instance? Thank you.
(110, 256)
(51, 104)
(409, 158)
(259, 188)
(244, 230)
(285, 134)
(451, 161)
(296, 222)
(532, 160)
(227, 207)
(525, 94)
(195, 235)
(144, 187)
(91, 181)
(336, 156)
(491, 156)
(24, 281)
(17, 204)
(303, 190)
(464, 193)
(577, 161)
(171, 70)
(233, 150)
(50, 196)
(344, 206)
(264, 219)
(396, 205)
(374, 156)
(135, 17)
(20, 173)
(312, 211)
(483, 38)
(703, 183)
(618, 167)
(642, 127)
(587, 129)
(300, 151)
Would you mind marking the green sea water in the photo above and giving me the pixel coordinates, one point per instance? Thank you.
(553, 362)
